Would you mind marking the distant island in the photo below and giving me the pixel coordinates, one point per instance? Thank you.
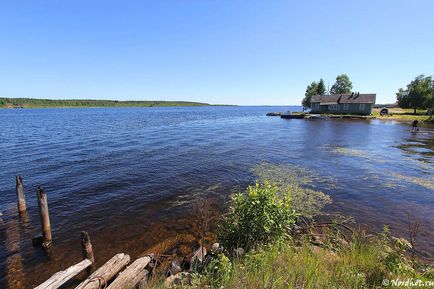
(52, 103)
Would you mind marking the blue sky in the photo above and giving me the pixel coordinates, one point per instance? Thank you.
(216, 51)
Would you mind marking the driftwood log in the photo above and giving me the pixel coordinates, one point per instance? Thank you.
(132, 275)
(62, 277)
(105, 273)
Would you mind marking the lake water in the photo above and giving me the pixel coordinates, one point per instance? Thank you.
(128, 176)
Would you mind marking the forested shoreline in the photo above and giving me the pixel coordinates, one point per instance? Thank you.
(47, 103)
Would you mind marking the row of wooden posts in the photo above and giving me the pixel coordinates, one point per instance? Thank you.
(134, 274)
(43, 210)
(45, 218)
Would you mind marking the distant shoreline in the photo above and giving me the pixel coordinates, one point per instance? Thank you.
(91, 103)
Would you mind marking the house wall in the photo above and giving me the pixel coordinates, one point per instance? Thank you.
(352, 108)
(316, 108)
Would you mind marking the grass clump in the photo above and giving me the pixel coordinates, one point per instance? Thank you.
(364, 263)
(284, 265)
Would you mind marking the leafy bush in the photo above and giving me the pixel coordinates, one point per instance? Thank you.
(394, 253)
(260, 216)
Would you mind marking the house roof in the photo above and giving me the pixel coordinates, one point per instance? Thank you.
(344, 98)
(316, 98)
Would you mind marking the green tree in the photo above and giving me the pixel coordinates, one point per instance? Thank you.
(321, 89)
(311, 90)
(418, 95)
(315, 88)
(402, 98)
(343, 84)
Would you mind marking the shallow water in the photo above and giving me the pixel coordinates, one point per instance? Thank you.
(128, 176)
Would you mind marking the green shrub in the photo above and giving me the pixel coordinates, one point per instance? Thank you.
(260, 216)
(394, 253)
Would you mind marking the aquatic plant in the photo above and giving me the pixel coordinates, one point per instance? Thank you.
(427, 182)
(340, 150)
(298, 182)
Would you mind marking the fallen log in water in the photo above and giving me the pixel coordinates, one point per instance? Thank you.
(103, 275)
(62, 277)
(132, 275)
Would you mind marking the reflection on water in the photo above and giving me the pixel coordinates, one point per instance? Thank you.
(15, 274)
(129, 176)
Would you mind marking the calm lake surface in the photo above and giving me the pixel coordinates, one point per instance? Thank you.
(128, 176)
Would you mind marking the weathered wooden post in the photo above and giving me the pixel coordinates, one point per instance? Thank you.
(87, 250)
(21, 198)
(45, 217)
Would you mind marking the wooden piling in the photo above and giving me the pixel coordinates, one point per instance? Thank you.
(45, 216)
(21, 198)
(87, 250)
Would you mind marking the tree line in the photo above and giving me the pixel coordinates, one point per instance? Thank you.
(419, 93)
(342, 85)
(33, 102)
